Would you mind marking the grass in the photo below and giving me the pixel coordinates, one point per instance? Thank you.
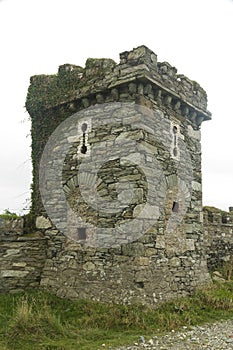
(7, 215)
(41, 321)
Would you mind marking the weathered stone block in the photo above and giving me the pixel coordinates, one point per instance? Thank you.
(190, 244)
(133, 249)
(174, 262)
(43, 223)
(13, 273)
(142, 261)
(160, 242)
(89, 266)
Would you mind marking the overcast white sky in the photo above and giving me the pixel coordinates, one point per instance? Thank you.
(39, 35)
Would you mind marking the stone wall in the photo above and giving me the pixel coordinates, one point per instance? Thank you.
(22, 257)
(152, 247)
(137, 272)
(218, 236)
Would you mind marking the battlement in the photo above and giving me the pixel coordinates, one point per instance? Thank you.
(165, 74)
(215, 216)
(138, 73)
(218, 239)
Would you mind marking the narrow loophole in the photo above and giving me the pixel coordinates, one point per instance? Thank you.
(84, 149)
(175, 151)
(84, 127)
(82, 233)
(175, 207)
(175, 130)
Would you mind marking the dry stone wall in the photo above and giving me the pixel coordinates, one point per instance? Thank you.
(218, 236)
(29, 261)
(22, 257)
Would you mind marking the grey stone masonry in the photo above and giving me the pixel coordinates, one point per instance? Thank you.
(138, 77)
(218, 236)
(22, 257)
(151, 248)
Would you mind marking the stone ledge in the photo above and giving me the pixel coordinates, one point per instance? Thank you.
(100, 75)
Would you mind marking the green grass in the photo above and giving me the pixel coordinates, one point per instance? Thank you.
(7, 215)
(41, 321)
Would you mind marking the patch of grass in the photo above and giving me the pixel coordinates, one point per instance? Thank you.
(34, 316)
(41, 321)
(7, 215)
(227, 268)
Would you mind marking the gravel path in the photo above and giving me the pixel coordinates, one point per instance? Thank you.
(218, 336)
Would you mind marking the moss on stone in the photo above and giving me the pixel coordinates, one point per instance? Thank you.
(214, 210)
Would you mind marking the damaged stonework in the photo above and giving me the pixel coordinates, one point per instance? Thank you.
(168, 259)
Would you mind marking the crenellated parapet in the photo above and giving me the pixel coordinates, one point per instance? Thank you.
(163, 75)
(215, 216)
(218, 236)
(102, 80)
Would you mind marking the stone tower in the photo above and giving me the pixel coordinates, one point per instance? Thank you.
(117, 179)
